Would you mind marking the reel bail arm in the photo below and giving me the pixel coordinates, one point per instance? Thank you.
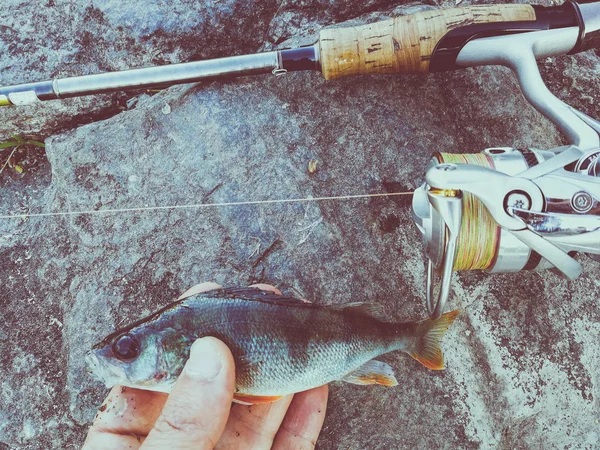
(448, 203)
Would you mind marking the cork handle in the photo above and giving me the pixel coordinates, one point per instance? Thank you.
(404, 44)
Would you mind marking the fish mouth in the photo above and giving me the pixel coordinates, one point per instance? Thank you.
(106, 373)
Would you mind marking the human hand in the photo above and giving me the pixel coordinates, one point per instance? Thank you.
(197, 414)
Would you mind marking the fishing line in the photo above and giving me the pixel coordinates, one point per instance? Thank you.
(479, 237)
(202, 205)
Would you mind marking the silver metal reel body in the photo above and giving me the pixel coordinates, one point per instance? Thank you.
(546, 203)
(545, 211)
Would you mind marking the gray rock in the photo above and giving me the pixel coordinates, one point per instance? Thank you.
(522, 357)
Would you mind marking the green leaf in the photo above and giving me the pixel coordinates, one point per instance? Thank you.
(8, 144)
(36, 143)
(18, 140)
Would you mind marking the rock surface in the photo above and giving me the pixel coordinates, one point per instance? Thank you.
(523, 356)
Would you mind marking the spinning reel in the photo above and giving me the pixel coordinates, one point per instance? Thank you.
(509, 209)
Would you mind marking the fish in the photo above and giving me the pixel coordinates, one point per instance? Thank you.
(280, 345)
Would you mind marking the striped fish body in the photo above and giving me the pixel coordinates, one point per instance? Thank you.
(280, 345)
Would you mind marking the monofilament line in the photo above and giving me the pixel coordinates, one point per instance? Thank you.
(201, 205)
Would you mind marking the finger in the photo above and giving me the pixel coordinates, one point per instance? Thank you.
(101, 441)
(303, 421)
(253, 427)
(196, 411)
(199, 288)
(129, 411)
(124, 419)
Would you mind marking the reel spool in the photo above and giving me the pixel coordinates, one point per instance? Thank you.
(507, 210)
(482, 244)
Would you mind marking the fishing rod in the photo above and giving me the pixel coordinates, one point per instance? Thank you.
(503, 210)
(430, 41)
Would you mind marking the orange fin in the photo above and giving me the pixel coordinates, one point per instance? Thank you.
(429, 335)
(372, 372)
(253, 399)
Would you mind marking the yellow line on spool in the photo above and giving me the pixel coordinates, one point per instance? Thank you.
(479, 236)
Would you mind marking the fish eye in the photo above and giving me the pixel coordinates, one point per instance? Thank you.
(126, 347)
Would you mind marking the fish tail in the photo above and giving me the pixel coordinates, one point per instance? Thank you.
(429, 333)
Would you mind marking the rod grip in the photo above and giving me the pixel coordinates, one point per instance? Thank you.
(404, 44)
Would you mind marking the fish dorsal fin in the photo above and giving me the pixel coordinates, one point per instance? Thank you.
(198, 289)
(368, 309)
(256, 294)
(372, 372)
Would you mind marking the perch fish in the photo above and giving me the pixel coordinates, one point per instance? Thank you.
(280, 345)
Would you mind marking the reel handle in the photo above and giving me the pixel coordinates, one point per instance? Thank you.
(557, 257)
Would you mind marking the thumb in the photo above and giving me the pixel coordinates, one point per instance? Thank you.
(197, 409)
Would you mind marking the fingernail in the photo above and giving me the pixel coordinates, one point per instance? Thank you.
(205, 360)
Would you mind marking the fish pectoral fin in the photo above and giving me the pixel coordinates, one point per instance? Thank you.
(372, 372)
(369, 309)
(253, 399)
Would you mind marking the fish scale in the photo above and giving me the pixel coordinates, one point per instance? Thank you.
(285, 348)
(280, 345)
